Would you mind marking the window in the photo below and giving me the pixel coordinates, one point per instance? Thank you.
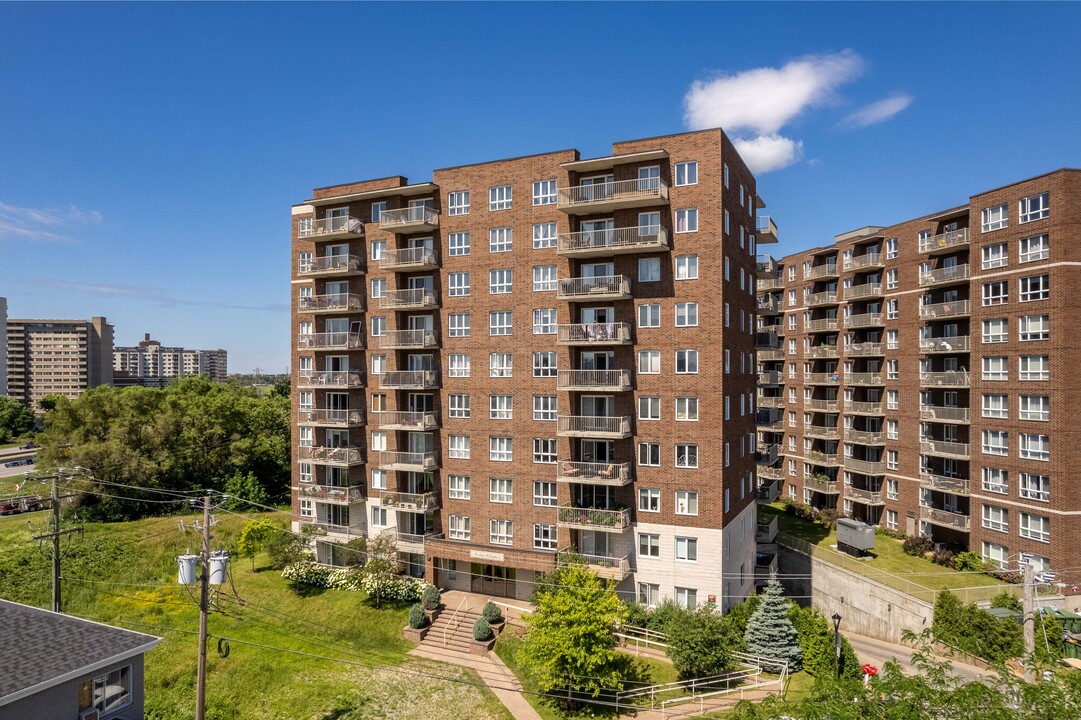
(995, 256)
(307, 399)
(544, 235)
(499, 323)
(893, 400)
(458, 365)
(544, 537)
(996, 442)
(499, 449)
(307, 508)
(458, 243)
(377, 210)
(686, 362)
(727, 224)
(379, 366)
(686, 501)
(1035, 327)
(379, 287)
(996, 480)
(995, 368)
(649, 545)
(544, 278)
(649, 362)
(995, 406)
(544, 407)
(1035, 447)
(687, 409)
(649, 316)
(500, 532)
(459, 406)
(1034, 248)
(544, 493)
(499, 282)
(544, 364)
(1035, 407)
(649, 454)
(686, 173)
(544, 451)
(892, 370)
(500, 490)
(500, 407)
(1034, 207)
(892, 342)
(891, 279)
(544, 192)
(1033, 367)
(379, 402)
(995, 293)
(544, 321)
(1035, 287)
(459, 527)
(1035, 487)
(687, 220)
(1035, 527)
(459, 487)
(379, 441)
(687, 597)
(686, 314)
(459, 447)
(891, 519)
(649, 269)
(500, 239)
(687, 267)
(459, 324)
(687, 549)
(725, 165)
(996, 518)
(499, 198)
(892, 431)
(993, 218)
(891, 459)
(500, 365)
(458, 284)
(891, 248)
(649, 500)
(995, 553)
(458, 203)
(379, 517)
(304, 227)
(892, 489)
(649, 408)
(891, 309)
(110, 691)
(995, 331)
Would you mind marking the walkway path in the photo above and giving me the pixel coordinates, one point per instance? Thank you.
(877, 652)
(497, 676)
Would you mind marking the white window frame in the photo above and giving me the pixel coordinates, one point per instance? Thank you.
(545, 408)
(458, 284)
(686, 503)
(500, 448)
(1033, 207)
(544, 278)
(500, 322)
(544, 235)
(651, 313)
(994, 218)
(686, 314)
(458, 447)
(1026, 325)
(458, 324)
(500, 239)
(544, 192)
(686, 173)
(458, 244)
(544, 363)
(500, 281)
(458, 406)
(1033, 248)
(686, 220)
(458, 202)
(500, 197)
(459, 487)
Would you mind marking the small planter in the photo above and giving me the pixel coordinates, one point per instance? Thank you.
(498, 625)
(416, 634)
(433, 614)
(481, 647)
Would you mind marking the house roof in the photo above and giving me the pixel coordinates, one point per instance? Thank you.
(41, 649)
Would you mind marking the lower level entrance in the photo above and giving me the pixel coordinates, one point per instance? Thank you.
(492, 580)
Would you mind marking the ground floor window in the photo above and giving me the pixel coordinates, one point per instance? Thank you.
(649, 594)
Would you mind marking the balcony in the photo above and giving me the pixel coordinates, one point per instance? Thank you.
(330, 265)
(333, 493)
(767, 341)
(591, 473)
(767, 423)
(822, 432)
(330, 418)
(331, 528)
(408, 461)
(608, 568)
(409, 260)
(615, 241)
(865, 437)
(821, 484)
(945, 518)
(333, 228)
(767, 453)
(409, 502)
(769, 305)
(331, 380)
(594, 334)
(943, 414)
(770, 355)
(769, 379)
(408, 340)
(863, 408)
(594, 426)
(827, 378)
(770, 327)
(865, 290)
(409, 220)
(334, 303)
(944, 243)
(414, 542)
(331, 341)
(865, 320)
(590, 289)
(593, 518)
(867, 261)
(820, 458)
(768, 472)
(944, 276)
(336, 456)
(957, 308)
(866, 379)
(766, 266)
(952, 344)
(406, 420)
(867, 497)
(821, 325)
(942, 483)
(949, 378)
(944, 448)
(766, 401)
(408, 299)
(864, 349)
(820, 352)
(765, 229)
(594, 380)
(821, 272)
(409, 380)
(830, 406)
(770, 284)
(822, 298)
(765, 567)
(865, 467)
(614, 195)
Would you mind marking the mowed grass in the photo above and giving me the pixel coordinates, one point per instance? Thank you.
(303, 655)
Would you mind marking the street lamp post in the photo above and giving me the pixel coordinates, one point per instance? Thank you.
(837, 643)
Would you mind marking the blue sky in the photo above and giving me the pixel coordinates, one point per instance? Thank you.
(149, 153)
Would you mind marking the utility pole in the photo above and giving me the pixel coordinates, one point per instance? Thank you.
(55, 536)
(1029, 619)
(204, 609)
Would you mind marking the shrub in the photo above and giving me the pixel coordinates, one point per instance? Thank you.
(968, 562)
(430, 598)
(917, 545)
(1005, 600)
(942, 556)
(895, 534)
(637, 614)
(417, 618)
(490, 612)
(816, 640)
(827, 517)
(701, 644)
(482, 630)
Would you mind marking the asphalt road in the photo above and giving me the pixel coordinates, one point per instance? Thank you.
(877, 652)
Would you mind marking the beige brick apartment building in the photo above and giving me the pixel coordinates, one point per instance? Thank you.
(531, 355)
(918, 376)
(62, 357)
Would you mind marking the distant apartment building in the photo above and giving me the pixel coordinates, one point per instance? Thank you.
(152, 364)
(918, 376)
(531, 356)
(212, 363)
(3, 347)
(64, 357)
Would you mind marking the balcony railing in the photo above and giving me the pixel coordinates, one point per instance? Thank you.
(769, 472)
(865, 437)
(333, 227)
(823, 432)
(408, 299)
(765, 229)
(408, 461)
(348, 455)
(826, 378)
(765, 266)
(867, 260)
(769, 305)
(864, 349)
(409, 380)
(333, 493)
(594, 334)
(409, 259)
(944, 242)
(867, 497)
(330, 265)
(865, 467)
(769, 378)
(863, 408)
(939, 413)
(864, 290)
(349, 530)
(643, 192)
(770, 402)
(950, 344)
(821, 325)
(410, 502)
(957, 308)
(944, 448)
(599, 380)
(955, 273)
(406, 420)
(593, 518)
(594, 426)
(592, 473)
(865, 378)
(609, 568)
(817, 272)
(865, 320)
(765, 531)
(821, 485)
(331, 341)
(765, 424)
(605, 287)
(766, 453)
(408, 339)
(331, 418)
(409, 219)
(820, 458)
(949, 378)
(830, 406)
(945, 518)
(336, 302)
(613, 241)
(769, 284)
(942, 483)
(822, 298)
(767, 341)
(330, 379)
(770, 355)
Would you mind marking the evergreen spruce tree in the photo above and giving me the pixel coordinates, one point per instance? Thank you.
(770, 633)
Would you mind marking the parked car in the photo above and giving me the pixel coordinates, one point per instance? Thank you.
(29, 446)
(17, 463)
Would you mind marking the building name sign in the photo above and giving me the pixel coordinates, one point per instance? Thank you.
(485, 555)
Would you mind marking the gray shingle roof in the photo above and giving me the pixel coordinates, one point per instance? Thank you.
(37, 646)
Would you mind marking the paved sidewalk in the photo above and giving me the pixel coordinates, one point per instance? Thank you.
(877, 652)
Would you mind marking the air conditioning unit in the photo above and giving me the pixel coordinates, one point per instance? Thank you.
(91, 714)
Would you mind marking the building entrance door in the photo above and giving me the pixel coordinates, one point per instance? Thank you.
(493, 580)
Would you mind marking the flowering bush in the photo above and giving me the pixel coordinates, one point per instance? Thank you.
(397, 589)
(400, 589)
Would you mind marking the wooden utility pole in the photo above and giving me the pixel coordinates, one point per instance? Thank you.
(204, 609)
(55, 536)
(1029, 618)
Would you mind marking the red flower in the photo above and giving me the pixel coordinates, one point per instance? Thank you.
(869, 669)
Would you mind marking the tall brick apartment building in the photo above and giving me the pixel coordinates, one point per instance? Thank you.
(531, 355)
(918, 376)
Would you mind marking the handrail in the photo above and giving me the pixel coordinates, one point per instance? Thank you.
(453, 621)
(508, 605)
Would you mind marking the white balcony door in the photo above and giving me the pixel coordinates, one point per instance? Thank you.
(649, 178)
(594, 270)
(421, 322)
(421, 442)
(420, 362)
(425, 242)
(598, 361)
(337, 250)
(598, 315)
(422, 281)
(598, 405)
(337, 325)
(337, 287)
(337, 363)
(595, 543)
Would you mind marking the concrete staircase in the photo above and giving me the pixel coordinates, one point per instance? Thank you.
(455, 628)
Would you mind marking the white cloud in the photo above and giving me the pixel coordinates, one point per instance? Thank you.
(39, 224)
(768, 152)
(763, 100)
(153, 295)
(876, 112)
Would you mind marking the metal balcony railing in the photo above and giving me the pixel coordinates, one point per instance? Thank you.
(865, 437)
(821, 485)
(865, 378)
(957, 308)
(765, 266)
(767, 341)
(816, 272)
(950, 344)
(337, 302)
(865, 467)
(826, 378)
(409, 380)
(769, 284)
(945, 518)
(333, 493)
(643, 238)
(954, 273)
(766, 229)
(594, 426)
(330, 265)
(769, 378)
(864, 290)
(939, 413)
(944, 448)
(770, 473)
(336, 226)
(943, 483)
(820, 458)
(408, 299)
(406, 420)
(863, 408)
(599, 380)
(419, 217)
(949, 378)
(770, 402)
(617, 193)
(330, 379)
(607, 567)
(594, 288)
(770, 355)
(593, 473)
(864, 349)
(823, 432)
(828, 297)
(417, 258)
(822, 405)
(408, 339)
(330, 418)
(593, 518)
(770, 305)
(346, 455)
(944, 241)
(594, 334)
(867, 497)
(864, 320)
(408, 461)
(331, 341)
(410, 502)
(821, 325)
(867, 260)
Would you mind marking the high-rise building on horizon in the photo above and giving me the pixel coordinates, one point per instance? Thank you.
(152, 364)
(63, 357)
(3, 346)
